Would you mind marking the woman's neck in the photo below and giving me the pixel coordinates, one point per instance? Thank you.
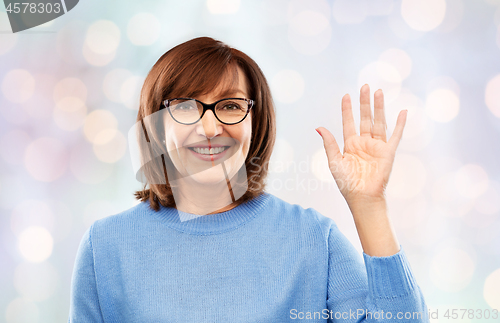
(202, 199)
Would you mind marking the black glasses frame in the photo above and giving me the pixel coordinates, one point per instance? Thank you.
(166, 104)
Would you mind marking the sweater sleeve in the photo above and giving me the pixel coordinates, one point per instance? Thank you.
(84, 301)
(382, 290)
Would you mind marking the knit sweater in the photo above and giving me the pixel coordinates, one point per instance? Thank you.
(265, 260)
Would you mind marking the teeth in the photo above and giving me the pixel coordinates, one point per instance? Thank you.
(206, 151)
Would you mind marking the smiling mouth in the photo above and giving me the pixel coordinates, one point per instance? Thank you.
(207, 151)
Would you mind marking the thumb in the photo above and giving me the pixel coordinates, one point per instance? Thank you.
(331, 147)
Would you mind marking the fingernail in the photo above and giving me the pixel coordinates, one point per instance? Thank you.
(319, 132)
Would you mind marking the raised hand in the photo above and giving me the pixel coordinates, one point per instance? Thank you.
(362, 171)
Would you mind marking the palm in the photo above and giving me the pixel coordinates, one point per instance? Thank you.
(363, 170)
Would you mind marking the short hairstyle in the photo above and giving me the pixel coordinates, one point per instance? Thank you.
(196, 67)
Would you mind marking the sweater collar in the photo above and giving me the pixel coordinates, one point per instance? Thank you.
(211, 223)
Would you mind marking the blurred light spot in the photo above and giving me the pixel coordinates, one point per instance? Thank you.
(497, 20)
(489, 202)
(8, 40)
(350, 11)
(13, 145)
(492, 95)
(400, 28)
(479, 220)
(407, 178)
(69, 41)
(309, 23)
(381, 75)
(453, 17)
(471, 181)
(415, 212)
(423, 15)
(491, 289)
(110, 145)
(63, 222)
(295, 7)
(442, 105)
(98, 210)
(443, 82)
(22, 310)
(282, 157)
(86, 167)
(451, 269)
(143, 29)
(70, 113)
(113, 82)
(488, 238)
(310, 45)
(18, 86)
(36, 282)
(103, 37)
(445, 195)
(309, 30)
(41, 108)
(272, 12)
(45, 159)
(16, 191)
(319, 166)
(399, 59)
(428, 232)
(31, 213)
(72, 87)
(419, 130)
(222, 7)
(288, 86)
(14, 115)
(130, 92)
(97, 121)
(35, 244)
(379, 7)
(97, 59)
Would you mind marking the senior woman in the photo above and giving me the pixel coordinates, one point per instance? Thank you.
(208, 244)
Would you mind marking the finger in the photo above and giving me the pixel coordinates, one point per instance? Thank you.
(379, 124)
(349, 128)
(398, 130)
(365, 126)
(331, 147)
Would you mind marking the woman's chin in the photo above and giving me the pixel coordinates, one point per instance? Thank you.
(211, 176)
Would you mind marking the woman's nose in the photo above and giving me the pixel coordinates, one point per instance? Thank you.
(210, 126)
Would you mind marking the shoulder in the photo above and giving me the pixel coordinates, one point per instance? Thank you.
(304, 217)
(120, 223)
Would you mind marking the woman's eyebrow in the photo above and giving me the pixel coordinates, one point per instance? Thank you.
(231, 93)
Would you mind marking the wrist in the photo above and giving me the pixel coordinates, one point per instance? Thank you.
(367, 206)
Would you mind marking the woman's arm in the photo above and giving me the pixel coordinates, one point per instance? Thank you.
(383, 289)
(362, 171)
(84, 301)
(374, 227)
(386, 284)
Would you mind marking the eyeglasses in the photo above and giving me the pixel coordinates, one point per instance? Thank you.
(189, 111)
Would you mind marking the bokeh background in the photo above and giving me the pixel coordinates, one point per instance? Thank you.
(69, 95)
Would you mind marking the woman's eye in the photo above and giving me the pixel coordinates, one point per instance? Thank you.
(183, 107)
(231, 107)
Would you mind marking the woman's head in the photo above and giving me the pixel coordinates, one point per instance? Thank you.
(207, 70)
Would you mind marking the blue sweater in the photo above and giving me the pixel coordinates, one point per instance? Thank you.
(264, 261)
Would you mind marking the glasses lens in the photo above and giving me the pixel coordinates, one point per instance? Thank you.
(186, 111)
(231, 111)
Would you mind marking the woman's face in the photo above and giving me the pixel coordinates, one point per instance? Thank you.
(230, 142)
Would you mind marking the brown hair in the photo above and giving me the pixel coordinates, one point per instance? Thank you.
(197, 67)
